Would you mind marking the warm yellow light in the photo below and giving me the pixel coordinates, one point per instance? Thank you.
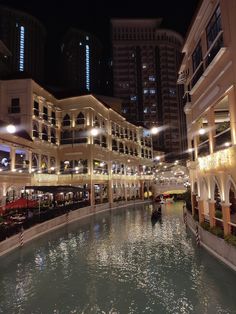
(94, 132)
(202, 131)
(11, 128)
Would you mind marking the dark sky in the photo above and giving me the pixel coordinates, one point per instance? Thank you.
(94, 16)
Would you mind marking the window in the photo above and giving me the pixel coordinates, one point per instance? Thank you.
(80, 118)
(152, 78)
(197, 56)
(22, 49)
(66, 137)
(197, 64)
(53, 136)
(87, 71)
(214, 36)
(15, 105)
(35, 129)
(66, 120)
(80, 136)
(45, 113)
(44, 133)
(214, 27)
(152, 91)
(53, 118)
(36, 108)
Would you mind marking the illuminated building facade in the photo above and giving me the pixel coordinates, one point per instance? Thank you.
(79, 141)
(25, 37)
(146, 60)
(208, 73)
(81, 55)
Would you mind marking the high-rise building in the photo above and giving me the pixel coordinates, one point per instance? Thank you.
(25, 37)
(81, 53)
(146, 60)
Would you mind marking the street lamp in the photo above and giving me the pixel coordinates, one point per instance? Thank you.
(154, 130)
(11, 128)
(94, 132)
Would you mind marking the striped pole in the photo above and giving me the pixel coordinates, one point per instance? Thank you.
(185, 219)
(197, 236)
(21, 237)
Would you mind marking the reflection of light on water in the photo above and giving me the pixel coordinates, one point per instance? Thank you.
(120, 264)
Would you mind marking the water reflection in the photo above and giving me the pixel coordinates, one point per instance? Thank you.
(117, 262)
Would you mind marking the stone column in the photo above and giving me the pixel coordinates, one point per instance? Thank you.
(13, 158)
(226, 217)
(232, 108)
(142, 190)
(212, 212)
(201, 210)
(193, 202)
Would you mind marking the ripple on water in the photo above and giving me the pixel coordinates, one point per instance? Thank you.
(117, 262)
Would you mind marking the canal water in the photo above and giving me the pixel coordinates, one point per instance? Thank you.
(117, 262)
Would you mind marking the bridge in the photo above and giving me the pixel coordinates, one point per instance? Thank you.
(168, 188)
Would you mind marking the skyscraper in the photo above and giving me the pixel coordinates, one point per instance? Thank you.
(146, 60)
(25, 37)
(81, 53)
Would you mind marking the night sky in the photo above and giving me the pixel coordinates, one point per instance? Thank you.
(94, 17)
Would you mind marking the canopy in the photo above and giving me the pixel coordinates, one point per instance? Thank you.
(21, 203)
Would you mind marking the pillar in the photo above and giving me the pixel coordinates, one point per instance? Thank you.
(13, 158)
(110, 192)
(142, 190)
(201, 210)
(226, 217)
(212, 212)
(232, 108)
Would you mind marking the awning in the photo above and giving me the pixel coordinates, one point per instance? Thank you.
(55, 189)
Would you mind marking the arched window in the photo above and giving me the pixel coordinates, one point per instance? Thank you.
(35, 129)
(44, 133)
(66, 120)
(80, 118)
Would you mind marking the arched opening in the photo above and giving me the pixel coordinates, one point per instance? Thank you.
(66, 120)
(232, 200)
(80, 118)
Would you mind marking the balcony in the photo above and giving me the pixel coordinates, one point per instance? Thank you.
(218, 161)
(213, 55)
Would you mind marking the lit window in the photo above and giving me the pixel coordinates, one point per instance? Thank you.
(22, 48)
(87, 38)
(145, 90)
(87, 68)
(144, 66)
(172, 91)
(133, 98)
(152, 78)
(152, 91)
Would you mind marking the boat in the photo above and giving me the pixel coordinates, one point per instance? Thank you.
(156, 213)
